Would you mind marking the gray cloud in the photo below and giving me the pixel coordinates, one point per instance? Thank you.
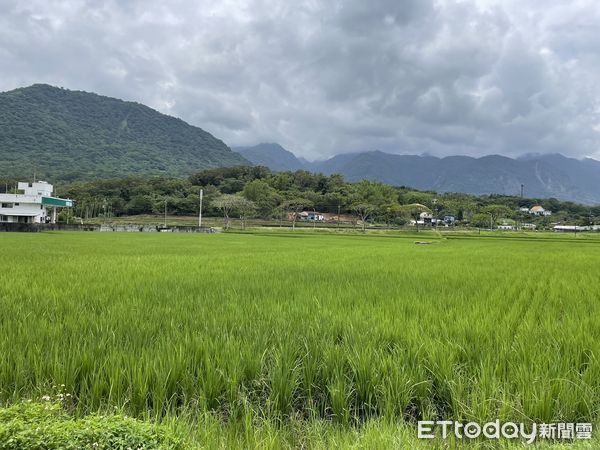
(442, 77)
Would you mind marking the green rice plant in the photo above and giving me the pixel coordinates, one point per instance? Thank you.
(303, 339)
(340, 399)
(283, 382)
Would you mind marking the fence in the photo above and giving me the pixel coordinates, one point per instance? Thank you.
(37, 227)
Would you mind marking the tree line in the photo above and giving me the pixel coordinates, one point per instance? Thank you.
(256, 192)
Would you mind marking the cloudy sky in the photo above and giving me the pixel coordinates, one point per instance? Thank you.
(324, 77)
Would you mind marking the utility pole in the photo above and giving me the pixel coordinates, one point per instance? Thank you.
(165, 214)
(522, 189)
(338, 219)
(200, 209)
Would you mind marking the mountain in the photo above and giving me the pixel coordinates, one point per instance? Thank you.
(585, 172)
(273, 156)
(64, 135)
(543, 176)
(409, 170)
(72, 135)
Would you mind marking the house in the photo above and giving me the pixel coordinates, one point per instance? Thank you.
(505, 226)
(449, 220)
(539, 211)
(524, 209)
(570, 228)
(426, 218)
(528, 226)
(311, 216)
(30, 204)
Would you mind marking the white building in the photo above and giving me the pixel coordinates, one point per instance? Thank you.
(31, 203)
(528, 226)
(539, 211)
(571, 228)
(506, 226)
(313, 216)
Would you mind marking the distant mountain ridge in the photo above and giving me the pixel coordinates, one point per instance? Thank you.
(64, 135)
(73, 135)
(270, 155)
(543, 176)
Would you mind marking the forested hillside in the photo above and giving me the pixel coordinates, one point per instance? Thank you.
(64, 135)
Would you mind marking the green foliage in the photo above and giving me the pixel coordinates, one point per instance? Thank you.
(373, 193)
(481, 220)
(216, 177)
(64, 135)
(264, 197)
(274, 193)
(303, 325)
(230, 204)
(497, 212)
(295, 205)
(295, 339)
(47, 425)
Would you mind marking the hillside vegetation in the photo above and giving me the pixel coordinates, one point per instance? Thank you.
(68, 135)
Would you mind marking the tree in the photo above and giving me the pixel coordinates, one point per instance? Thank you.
(368, 197)
(373, 193)
(140, 204)
(418, 198)
(363, 211)
(295, 206)
(391, 213)
(226, 203)
(263, 195)
(414, 210)
(480, 220)
(245, 208)
(231, 186)
(230, 203)
(495, 212)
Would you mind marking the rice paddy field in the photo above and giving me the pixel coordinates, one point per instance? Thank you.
(302, 340)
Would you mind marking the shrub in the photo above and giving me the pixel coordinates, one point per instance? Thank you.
(48, 426)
